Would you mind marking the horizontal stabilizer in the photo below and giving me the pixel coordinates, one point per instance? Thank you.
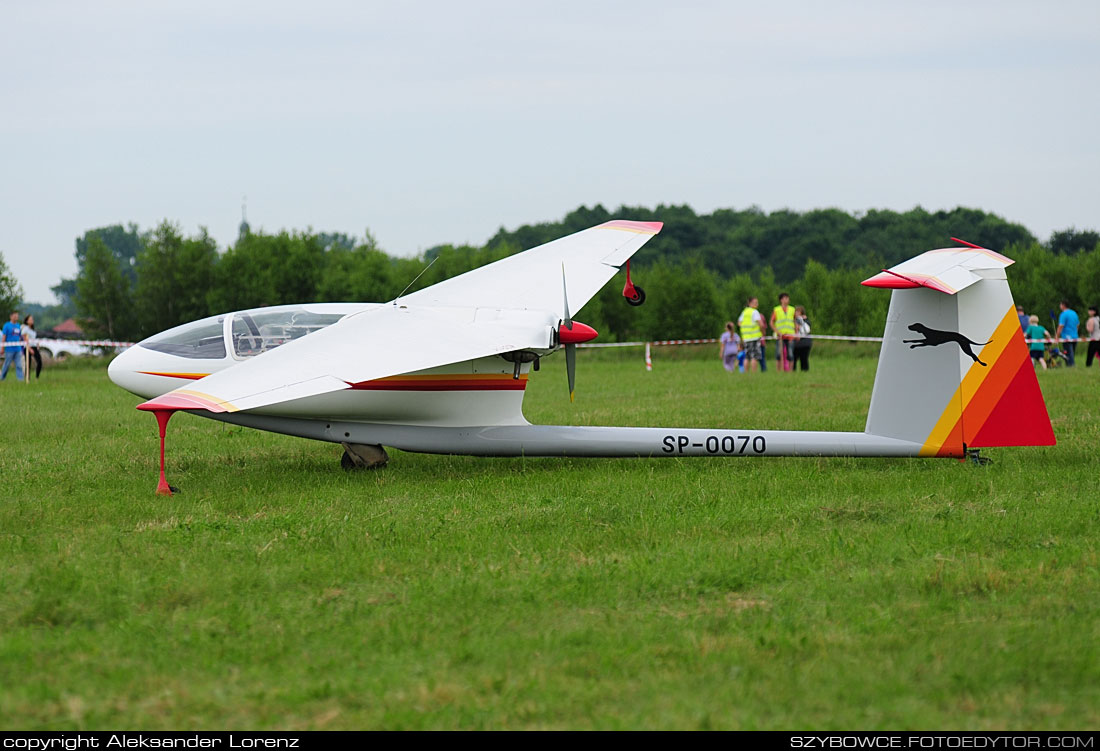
(947, 270)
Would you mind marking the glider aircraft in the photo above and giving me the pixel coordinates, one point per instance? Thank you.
(443, 370)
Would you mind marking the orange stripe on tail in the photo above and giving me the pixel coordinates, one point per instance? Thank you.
(995, 405)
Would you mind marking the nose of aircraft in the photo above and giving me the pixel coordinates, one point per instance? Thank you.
(122, 370)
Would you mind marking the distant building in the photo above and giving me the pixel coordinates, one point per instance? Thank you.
(67, 329)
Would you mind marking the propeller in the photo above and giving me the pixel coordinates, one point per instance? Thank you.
(570, 348)
(570, 334)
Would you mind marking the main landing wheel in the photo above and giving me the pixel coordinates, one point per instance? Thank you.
(639, 296)
(363, 456)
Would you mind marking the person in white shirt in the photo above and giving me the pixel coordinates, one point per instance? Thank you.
(1092, 333)
(32, 349)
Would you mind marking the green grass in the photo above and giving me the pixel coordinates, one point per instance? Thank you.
(277, 591)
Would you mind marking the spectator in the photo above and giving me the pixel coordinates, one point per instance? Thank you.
(752, 332)
(1067, 331)
(803, 341)
(13, 338)
(32, 349)
(1092, 333)
(730, 345)
(782, 322)
(1037, 337)
(1025, 321)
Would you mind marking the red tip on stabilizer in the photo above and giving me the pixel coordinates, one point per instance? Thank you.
(163, 416)
(888, 279)
(969, 245)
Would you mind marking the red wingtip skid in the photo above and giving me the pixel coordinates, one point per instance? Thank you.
(163, 416)
(164, 407)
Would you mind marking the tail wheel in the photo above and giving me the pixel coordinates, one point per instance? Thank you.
(639, 296)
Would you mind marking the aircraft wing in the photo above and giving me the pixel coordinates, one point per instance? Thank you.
(384, 341)
(530, 280)
(947, 270)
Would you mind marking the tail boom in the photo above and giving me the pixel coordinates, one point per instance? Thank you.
(565, 440)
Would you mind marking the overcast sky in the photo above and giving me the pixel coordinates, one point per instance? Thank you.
(441, 122)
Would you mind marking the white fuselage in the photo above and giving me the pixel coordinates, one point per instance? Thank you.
(472, 407)
(483, 391)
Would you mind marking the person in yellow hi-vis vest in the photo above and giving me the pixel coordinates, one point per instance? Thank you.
(752, 328)
(783, 326)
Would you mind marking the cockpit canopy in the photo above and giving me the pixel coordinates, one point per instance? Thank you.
(198, 340)
(247, 333)
(255, 332)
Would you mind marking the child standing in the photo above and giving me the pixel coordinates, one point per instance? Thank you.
(730, 345)
(1038, 336)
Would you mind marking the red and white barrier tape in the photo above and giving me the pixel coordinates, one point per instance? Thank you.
(592, 345)
(81, 342)
(668, 342)
(673, 342)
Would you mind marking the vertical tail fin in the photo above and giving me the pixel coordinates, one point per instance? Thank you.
(954, 370)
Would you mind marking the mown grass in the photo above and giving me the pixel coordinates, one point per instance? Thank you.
(277, 591)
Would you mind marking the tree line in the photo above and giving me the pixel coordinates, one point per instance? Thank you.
(697, 272)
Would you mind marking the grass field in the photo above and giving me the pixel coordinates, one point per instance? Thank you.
(277, 591)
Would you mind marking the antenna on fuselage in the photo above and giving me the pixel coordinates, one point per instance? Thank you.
(414, 280)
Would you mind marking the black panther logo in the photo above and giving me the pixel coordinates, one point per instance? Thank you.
(934, 338)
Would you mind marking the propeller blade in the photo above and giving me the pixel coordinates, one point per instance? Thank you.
(568, 322)
(571, 367)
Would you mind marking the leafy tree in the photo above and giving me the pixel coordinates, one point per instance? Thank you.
(11, 292)
(124, 243)
(332, 240)
(364, 274)
(263, 269)
(697, 272)
(65, 292)
(103, 294)
(175, 275)
(682, 301)
(1072, 241)
(1040, 278)
(729, 242)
